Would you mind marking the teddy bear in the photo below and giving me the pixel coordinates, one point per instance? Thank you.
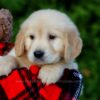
(6, 21)
(6, 27)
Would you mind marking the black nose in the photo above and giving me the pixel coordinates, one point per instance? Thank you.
(38, 54)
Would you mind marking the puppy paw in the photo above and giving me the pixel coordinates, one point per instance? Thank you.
(50, 74)
(7, 63)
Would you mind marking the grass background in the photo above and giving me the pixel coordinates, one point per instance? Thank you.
(86, 15)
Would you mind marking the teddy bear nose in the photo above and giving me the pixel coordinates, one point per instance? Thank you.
(38, 54)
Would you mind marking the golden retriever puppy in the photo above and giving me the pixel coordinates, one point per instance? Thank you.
(49, 39)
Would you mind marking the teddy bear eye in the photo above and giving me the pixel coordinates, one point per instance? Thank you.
(32, 37)
(52, 37)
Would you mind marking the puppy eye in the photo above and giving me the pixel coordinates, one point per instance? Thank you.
(52, 37)
(32, 37)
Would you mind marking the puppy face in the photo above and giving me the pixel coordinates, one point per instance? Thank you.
(44, 44)
(48, 36)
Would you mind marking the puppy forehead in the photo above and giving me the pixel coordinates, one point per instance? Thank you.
(44, 32)
(45, 28)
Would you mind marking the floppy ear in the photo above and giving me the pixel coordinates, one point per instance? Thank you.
(73, 45)
(19, 44)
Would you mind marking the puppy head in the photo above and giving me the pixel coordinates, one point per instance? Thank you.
(48, 36)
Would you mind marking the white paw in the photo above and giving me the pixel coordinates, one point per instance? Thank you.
(49, 74)
(7, 63)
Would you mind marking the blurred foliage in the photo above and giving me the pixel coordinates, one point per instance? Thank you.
(86, 15)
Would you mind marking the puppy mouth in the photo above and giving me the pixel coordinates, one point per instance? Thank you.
(39, 61)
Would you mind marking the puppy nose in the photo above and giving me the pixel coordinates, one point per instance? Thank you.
(38, 54)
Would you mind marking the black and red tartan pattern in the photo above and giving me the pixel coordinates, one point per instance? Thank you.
(23, 84)
(5, 47)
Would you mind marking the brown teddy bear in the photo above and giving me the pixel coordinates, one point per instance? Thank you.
(6, 21)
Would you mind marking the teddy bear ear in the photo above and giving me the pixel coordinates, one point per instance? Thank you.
(19, 43)
(73, 45)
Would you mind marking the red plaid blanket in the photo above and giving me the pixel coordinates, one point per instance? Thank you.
(23, 84)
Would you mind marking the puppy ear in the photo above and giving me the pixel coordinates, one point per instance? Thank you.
(73, 45)
(19, 44)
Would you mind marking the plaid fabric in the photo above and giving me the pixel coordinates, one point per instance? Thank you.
(23, 84)
(20, 85)
(5, 47)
